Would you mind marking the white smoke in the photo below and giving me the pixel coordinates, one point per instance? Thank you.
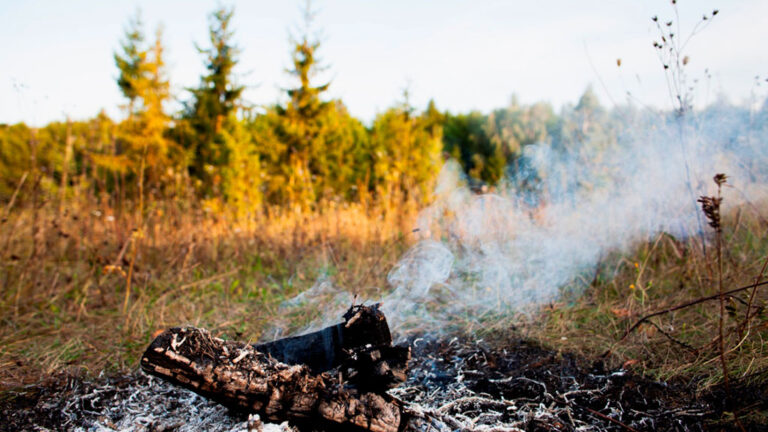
(513, 250)
(558, 214)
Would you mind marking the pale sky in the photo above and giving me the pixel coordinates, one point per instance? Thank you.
(56, 56)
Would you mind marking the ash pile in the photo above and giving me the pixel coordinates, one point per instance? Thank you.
(351, 377)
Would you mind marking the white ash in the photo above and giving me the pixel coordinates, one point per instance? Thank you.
(150, 404)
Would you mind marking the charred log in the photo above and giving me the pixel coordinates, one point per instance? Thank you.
(243, 379)
(335, 376)
(328, 348)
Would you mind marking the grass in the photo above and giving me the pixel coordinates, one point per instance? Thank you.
(65, 274)
(656, 275)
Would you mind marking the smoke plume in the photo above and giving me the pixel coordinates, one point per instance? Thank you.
(566, 205)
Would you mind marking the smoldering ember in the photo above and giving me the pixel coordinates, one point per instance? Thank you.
(351, 377)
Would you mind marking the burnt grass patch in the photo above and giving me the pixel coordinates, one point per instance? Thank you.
(454, 384)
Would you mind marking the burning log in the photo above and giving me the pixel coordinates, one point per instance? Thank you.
(336, 376)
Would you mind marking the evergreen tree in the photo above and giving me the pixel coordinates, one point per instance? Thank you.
(214, 104)
(406, 151)
(300, 126)
(315, 149)
(585, 126)
(130, 61)
(465, 139)
(152, 120)
(242, 176)
(517, 126)
(144, 83)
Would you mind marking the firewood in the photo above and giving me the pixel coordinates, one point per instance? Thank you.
(243, 379)
(324, 349)
(361, 347)
(353, 363)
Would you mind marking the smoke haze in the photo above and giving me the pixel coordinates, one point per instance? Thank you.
(567, 204)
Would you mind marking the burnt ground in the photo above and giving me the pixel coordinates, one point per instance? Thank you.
(455, 384)
(523, 386)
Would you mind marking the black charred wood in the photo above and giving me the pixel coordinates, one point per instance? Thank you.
(328, 348)
(335, 376)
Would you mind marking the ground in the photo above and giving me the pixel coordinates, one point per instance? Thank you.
(454, 384)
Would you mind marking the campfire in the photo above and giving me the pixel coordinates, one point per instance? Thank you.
(350, 376)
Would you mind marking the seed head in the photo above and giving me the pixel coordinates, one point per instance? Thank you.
(720, 179)
(711, 208)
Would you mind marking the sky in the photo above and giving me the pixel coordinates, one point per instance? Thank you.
(57, 56)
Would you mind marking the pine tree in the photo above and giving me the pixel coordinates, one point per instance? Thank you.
(151, 122)
(466, 140)
(130, 61)
(300, 118)
(242, 176)
(144, 149)
(315, 150)
(214, 104)
(407, 153)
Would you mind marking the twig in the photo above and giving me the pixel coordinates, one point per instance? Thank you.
(747, 317)
(15, 193)
(683, 306)
(613, 420)
(669, 336)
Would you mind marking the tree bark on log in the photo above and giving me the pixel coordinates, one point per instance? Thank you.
(241, 377)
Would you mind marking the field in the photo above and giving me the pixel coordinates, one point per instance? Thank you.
(551, 266)
(87, 287)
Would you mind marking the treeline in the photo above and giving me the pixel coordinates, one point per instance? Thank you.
(299, 154)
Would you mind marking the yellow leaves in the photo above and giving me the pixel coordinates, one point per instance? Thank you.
(116, 163)
(110, 269)
(137, 234)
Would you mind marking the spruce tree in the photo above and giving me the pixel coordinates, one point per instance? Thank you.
(151, 120)
(316, 151)
(143, 148)
(301, 118)
(214, 103)
(130, 61)
(407, 153)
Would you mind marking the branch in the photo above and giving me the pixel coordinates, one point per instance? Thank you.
(683, 306)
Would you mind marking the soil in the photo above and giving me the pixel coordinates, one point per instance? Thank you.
(456, 384)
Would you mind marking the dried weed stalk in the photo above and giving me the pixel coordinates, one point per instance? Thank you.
(710, 205)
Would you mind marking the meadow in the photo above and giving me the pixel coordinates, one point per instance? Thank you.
(603, 234)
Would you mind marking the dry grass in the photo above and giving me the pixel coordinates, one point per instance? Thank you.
(657, 275)
(65, 275)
